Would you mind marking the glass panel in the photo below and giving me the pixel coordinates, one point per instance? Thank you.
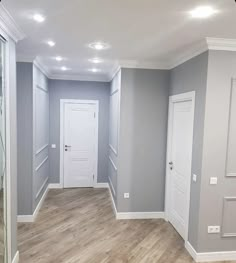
(2, 158)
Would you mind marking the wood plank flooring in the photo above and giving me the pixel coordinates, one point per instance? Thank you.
(78, 225)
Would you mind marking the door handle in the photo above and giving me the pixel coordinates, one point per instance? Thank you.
(66, 147)
(171, 165)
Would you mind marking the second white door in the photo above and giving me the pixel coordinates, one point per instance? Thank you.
(179, 162)
(80, 144)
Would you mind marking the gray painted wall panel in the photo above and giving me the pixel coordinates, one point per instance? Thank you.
(25, 137)
(142, 147)
(221, 70)
(192, 76)
(59, 89)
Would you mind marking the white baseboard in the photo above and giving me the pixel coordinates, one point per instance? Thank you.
(55, 186)
(32, 218)
(16, 258)
(135, 215)
(101, 185)
(210, 256)
(141, 215)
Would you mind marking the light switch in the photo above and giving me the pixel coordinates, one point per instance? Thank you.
(126, 195)
(194, 177)
(213, 180)
(54, 146)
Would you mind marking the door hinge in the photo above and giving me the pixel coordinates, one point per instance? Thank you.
(94, 115)
(93, 177)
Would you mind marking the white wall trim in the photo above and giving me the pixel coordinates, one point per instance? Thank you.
(80, 77)
(101, 185)
(141, 215)
(32, 218)
(221, 44)
(8, 24)
(188, 96)
(113, 202)
(62, 107)
(55, 186)
(16, 257)
(210, 256)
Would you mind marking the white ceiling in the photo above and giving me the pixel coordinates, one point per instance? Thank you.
(144, 32)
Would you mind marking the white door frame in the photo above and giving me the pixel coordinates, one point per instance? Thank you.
(189, 96)
(63, 102)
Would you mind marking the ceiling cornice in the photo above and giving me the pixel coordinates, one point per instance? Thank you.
(189, 53)
(142, 64)
(221, 44)
(9, 26)
(80, 77)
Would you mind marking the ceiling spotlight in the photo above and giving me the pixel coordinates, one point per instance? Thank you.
(64, 68)
(203, 12)
(94, 70)
(96, 60)
(58, 58)
(99, 45)
(39, 18)
(51, 43)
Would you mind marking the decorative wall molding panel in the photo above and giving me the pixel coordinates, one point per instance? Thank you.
(231, 147)
(229, 217)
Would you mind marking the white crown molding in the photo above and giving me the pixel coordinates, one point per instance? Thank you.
(221, 44)
(41, 67)
(80, 77)
(191, 52)
(9, 26)
(142, 64)
(210, 256)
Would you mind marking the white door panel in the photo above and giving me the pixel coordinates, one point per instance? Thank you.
(180, 164)
(79, 145)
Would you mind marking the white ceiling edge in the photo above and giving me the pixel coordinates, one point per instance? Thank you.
(9, 26)
(193, 51)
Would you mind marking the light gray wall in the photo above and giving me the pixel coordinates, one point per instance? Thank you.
(32, 134)
(221, 70)
(59, 89)
(40, 135)
(24, 137)
(114, 123)
(192, 76)
(142, 146)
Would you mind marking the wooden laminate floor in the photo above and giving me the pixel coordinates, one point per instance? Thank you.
(78, 225)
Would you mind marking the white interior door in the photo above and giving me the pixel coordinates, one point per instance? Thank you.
(80, 139)
(179, 163)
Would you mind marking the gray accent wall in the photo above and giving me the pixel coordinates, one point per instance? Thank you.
(81, 90)
(24, 137)
(218, 202)
(114, 131)
(32, 136)
(192, 76)
(142, 140)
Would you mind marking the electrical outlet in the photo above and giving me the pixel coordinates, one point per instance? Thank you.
(213, 180)
(213, 229)
(126, 195)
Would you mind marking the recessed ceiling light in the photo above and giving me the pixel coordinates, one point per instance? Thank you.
(99, 45)
(96, 60)
(51, 43)
(94, 70)
(202, 12)
(39, 18)
(58, 58)
(64, 68)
